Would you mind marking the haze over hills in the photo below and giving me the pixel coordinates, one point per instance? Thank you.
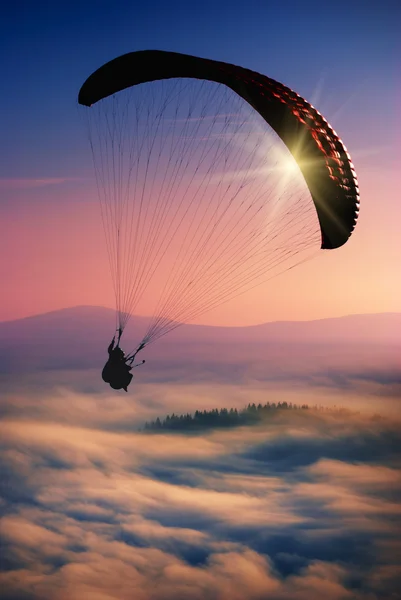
(77, 338)
(83, 321)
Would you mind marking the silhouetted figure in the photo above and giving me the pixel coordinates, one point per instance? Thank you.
(116, 371)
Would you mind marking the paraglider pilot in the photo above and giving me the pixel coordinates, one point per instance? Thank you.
(116, 371)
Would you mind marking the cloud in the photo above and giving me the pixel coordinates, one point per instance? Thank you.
(25, 184)
(303, 506)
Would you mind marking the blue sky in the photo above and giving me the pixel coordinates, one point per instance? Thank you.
(343, 55)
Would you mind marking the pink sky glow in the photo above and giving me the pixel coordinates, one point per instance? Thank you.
(59, 259)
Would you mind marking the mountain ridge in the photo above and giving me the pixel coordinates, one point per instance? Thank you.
(281, 321)
(77, 338)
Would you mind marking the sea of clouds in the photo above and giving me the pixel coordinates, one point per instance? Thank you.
(305, 505)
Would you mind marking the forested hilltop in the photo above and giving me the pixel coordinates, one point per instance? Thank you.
(232, 417)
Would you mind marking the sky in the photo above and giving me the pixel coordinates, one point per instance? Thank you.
(343, 58)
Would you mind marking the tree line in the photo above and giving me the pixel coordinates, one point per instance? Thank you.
(225, 417)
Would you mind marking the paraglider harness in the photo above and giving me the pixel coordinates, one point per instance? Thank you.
(117, 370)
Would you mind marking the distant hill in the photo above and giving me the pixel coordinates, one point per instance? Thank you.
(77, 338)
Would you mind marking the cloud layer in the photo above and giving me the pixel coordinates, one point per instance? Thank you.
(304, 506)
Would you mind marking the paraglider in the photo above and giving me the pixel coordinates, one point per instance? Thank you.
(117, 370)
(212, 179)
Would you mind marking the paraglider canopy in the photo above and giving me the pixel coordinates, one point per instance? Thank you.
(319, 152)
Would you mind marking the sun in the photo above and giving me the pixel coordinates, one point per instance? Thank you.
(289, 165)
